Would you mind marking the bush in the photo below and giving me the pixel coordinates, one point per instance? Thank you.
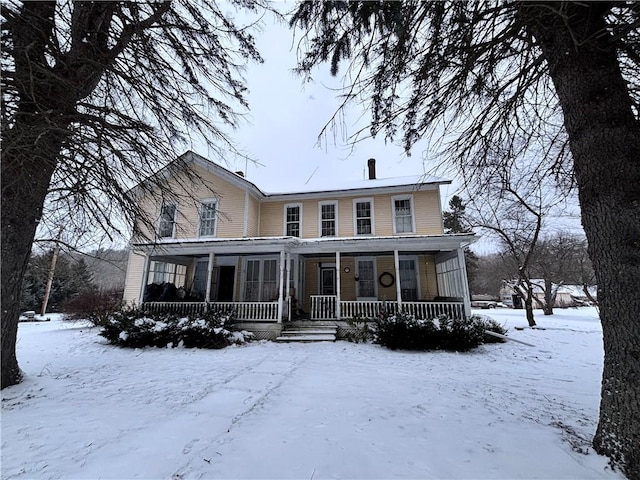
(91, 302)
(405, 332)
(134, 328)
(362, 330)
(491, 325)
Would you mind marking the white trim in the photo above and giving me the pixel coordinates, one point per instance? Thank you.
(338, 280)
(207, 294)
(355, 218)
(243, 274)
(375, 277)
(245, 219)
(145, 277)
(393, 213)
(204, 201)
(284, 220)
(335, 219)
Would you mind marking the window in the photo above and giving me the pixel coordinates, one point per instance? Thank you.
(260, 280)
(208, 213)
(366, 271)
(328, 219)
(292, 220)
(408, 280)
(403, 215)
(162, 272)
(199, 287)
(450, 279)
(363, 214)
(167, 220)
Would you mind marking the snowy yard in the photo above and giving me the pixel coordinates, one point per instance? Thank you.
(309, 411)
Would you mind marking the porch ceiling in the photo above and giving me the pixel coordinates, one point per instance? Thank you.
(326, 245)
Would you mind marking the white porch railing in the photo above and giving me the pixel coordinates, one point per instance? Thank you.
(245, 311)
(323, 307)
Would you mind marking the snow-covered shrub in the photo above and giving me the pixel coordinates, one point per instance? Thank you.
(405, 332)
(135, 328)
(459, 334)
(360, 329)
(491, 325)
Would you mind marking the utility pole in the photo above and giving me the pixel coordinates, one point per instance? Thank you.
(52, 271)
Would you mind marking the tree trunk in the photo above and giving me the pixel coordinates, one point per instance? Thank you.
(604, 137)
(528, 306)
(549, 297)
(27, 166)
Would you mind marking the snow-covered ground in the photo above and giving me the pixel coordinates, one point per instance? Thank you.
(310, 411)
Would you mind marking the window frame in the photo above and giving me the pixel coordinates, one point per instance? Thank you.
(173, 221)
(335, 217)
(208, 201)
(395, 198)
(371, 217)
(286, 222)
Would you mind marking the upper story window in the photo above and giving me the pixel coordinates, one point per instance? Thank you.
(328, 219)
(167, 222)
(402, 214)
(292, 220)
(208, 214)
(363, 216)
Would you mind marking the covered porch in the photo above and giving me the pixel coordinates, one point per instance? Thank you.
(271, 280)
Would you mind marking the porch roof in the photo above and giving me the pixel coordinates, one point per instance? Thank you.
(259, 245)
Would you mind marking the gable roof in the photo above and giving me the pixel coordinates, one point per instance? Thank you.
(352, 187)
(405, 183)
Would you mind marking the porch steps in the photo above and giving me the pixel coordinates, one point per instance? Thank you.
(316, 333)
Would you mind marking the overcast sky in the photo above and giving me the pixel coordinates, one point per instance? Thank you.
(287, 116)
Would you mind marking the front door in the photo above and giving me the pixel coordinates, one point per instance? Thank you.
(327, 281)
(226, 281)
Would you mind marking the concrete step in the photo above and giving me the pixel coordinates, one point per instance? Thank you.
(315, 333)
(307, 338)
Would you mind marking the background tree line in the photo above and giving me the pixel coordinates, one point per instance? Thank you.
(80, 280)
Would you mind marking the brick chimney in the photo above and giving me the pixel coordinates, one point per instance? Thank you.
(371, 163)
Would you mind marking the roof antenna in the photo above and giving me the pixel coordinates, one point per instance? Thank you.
(312, 174)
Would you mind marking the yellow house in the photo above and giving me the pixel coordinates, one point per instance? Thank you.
(331, 254)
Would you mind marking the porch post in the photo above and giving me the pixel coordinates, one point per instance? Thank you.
(207, 296)
(462, 268)
(145, 277)
(338, 313)
(281, 286)
(396, 261)
(288, 286)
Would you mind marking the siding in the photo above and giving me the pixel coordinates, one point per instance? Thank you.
(427, 212)
(426, 205)
(189, 194)
(133, 281)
